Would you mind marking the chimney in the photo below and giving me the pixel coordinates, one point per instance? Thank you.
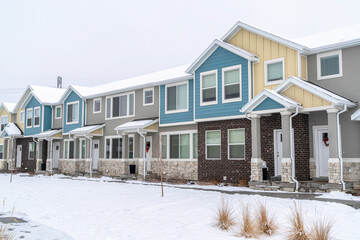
(59, 82)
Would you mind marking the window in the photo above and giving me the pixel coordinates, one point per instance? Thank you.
(1, 151)
(213, 144)
(37, 117)
(164, 147)
(195, 146)
(107, 148)
(69, 147)
(29, 115)
(231, 83)
(97, 105)
(177, 97)
(57, 112)
(148, 96)
(236, 144)
(329, 65)
(274, 71)
(180, 146)
(120, 106)
(22, 116)
(113, 148)
(82, 148)
(72, 112)
(31, 150)
(208, 86)
(131, 146)
(4, 122)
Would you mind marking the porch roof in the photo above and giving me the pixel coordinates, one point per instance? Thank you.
(87, 130)
(11, 130)
(48, 134)
(287, 102)
(137, 124)
(356, 115)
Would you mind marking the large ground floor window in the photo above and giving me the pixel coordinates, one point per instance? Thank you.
(69, 149)
(1, 151)
(179, 145)
(113, 147)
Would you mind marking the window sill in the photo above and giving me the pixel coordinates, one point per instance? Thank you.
(70, 123)
(329, 76)
(271, 83)
(232, 100)
(208, 103)
(176, 111)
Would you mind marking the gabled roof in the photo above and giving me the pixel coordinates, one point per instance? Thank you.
(45, 95)
(47, 134)
(11, 130)
(136, 124)
(85, 130)
(329, 96)
(9, 107)
(266, 93)
(356, 115)
(213, 46)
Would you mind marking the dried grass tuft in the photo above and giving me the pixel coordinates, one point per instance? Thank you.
(247, 224)
(224, 215)
(297, 229)
(265, 220)
(322, 229)
(5, 234)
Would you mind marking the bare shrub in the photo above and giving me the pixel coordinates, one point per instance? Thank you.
(297, 229)
(5, 234)
(224, 215)
(322, 228)
(247, 224)
(265, 220)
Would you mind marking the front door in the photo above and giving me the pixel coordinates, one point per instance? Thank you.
(18, 156)
(148, 152)
(56, 154)
(322, 155)
(277, 151)
(95, 156)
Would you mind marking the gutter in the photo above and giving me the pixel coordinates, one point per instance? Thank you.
(144, 156)
(339, 144)
(292, 152)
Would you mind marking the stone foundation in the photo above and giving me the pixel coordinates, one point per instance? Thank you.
(312, 168)
(334, 170)
(3, 165)
(115, 168)
(286, 170)
(172, 169)
(67, 166)
(38, 164)
(351, 171)
(256, 169)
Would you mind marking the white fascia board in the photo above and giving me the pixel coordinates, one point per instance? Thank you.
(119, 128)
(27, 100)
(66, 94)
(331, 47)
(356, 115)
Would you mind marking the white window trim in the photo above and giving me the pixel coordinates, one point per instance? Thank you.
(5, 116)
(187, 99)
(318, 63)
(70, 103)
(228, 142)
(128, 151)
(216, 87)
(32, 117)
(33, 151)
(68, 153)
(128, 106)
(20, 116)
(80, 146)
(218, 130)
(2, 151)
(110, 155)
(223, 84)
(266, 74)
(35, 117)
(56, 108)
(96, 99)
(145, 90)
(168, 134)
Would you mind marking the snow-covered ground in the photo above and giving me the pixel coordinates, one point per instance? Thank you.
(72, 209)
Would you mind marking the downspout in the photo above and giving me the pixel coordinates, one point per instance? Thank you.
(51, 155)
(339, 142)
(37, 150)
(292, 152)
(138, 131)
(91, 145)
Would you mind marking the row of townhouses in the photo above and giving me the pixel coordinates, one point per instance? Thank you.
(253, 107)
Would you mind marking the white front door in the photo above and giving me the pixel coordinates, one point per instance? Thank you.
(56, 154)
(148, 150)
(277, 151)
(18, 155)
(95, 155)
(322, 152)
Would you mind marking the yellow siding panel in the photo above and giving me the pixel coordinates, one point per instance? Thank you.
(58, 135)
(98, 132)
(152, 127)
(2, 142)
(303, 67)
(21, 125)
(304, 97)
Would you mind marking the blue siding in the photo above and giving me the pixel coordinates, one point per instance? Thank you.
(33, 130)
(219, 59)
(267, 104)
(47, 117)
(72, 98)
(177, 117)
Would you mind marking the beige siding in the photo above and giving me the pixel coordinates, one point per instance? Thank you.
(304, 97)
(303, 67)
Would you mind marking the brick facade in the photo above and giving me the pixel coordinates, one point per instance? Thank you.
(234, 170)
(27, 165)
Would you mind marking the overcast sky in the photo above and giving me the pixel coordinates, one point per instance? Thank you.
(90, 42)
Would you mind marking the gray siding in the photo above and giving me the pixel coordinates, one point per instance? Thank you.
(57, 123)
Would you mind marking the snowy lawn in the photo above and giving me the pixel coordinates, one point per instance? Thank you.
(105, 210)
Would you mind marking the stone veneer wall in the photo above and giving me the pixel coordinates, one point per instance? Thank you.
(177, 170)
(354, 168)
(66, 166)
(115, 168)
(234, 170)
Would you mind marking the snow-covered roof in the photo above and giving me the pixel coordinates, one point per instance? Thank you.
(288, 103)
(9, 107)
(137, 124)
(47, 95)
(47, 134)
(213, 46)
(11, 130)
(85, 130)
(356, 115)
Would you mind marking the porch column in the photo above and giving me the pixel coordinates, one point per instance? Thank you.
(286, 170)
(49, 162)
(256, 161)
(38, 154)
(334, 162)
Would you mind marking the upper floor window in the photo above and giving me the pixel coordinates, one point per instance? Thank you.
(72, 112)
(120, 106)
(274, 71)
(231, 83)
(4, 122)
(236, 143)
(177, 97)
(29, 116)
(329, 65)
(208, 87)
(57, 112)
(148, 96)
(22, 116)
(36, 116)
(97, 105)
